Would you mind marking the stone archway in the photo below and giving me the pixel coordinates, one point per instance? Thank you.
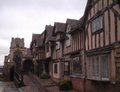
(11, 74)
(28, 66)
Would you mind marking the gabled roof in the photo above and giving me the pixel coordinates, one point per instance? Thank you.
(72, 22)
(39, 42)
(80, 23)
(87, 9)
(48, 31)
(38, 39)
(77, 24)
(59, 27)
(35, 36)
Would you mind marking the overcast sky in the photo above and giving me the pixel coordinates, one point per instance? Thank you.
(22, 18)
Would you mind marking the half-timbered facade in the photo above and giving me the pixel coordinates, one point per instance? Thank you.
(58, 65)
(102, 44)
(49, 44)
(38, 52)
(67, 48)
(77, 53)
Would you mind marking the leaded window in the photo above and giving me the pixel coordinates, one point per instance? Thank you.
(98, 67)
(97, 24)
(105, 67)
(77, 65)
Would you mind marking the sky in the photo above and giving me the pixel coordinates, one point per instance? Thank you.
(22, 18)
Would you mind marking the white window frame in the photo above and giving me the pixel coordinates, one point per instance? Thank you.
(57, 45)
(103, 71)
(96, 68)
(68, 40)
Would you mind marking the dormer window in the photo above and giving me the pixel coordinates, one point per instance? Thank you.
(97, 24)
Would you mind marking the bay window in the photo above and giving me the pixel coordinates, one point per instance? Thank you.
(98, 67)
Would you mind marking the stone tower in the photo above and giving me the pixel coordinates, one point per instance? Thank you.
(17, 44)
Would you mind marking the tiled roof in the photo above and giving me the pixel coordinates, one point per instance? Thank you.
(39, 42)
(48, 31)
(76, 24)
(72, 22)
(59, 27)
(35, 36)
(80, 23)
(38, 39)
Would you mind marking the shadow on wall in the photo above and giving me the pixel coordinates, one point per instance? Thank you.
(11, 74)
(28, 66)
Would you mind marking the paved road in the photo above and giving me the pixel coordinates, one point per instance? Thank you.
(32, 85)
(2, 85)
(8, 87)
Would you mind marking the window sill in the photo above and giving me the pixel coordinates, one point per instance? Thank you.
(68, 46)
(76, 75)
(97, 32)
(58, 49)
(105, 79)
(98, 79)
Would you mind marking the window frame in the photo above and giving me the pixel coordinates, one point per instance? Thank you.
(92, 73)
(66, 67)
(68, 41)
(55, 68)
(97, 24)
(57, 45)
(108, 68)
(78, 60)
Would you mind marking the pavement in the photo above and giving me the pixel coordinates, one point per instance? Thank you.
(8, 87)
(51, 85)
(32, 84)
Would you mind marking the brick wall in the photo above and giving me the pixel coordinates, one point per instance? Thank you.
(102, 86)
(77, 84)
